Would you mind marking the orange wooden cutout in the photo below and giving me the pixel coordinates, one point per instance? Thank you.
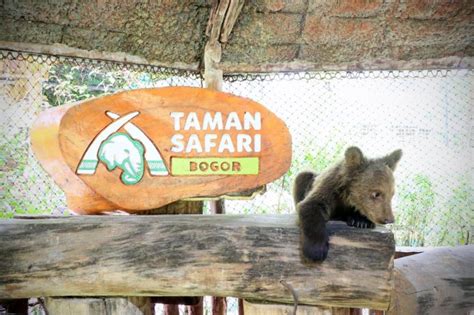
(143, 149)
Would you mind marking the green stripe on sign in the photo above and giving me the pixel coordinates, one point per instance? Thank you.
(214, 166)
(88, 164)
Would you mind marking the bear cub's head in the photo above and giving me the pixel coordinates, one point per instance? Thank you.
(371, 184)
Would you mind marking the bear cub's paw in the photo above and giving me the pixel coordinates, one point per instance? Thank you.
(359, 221)
(316, 250)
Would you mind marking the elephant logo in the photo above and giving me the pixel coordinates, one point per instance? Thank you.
(119, 150)
(127, 151)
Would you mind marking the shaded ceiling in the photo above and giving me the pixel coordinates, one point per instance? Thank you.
(267, 32)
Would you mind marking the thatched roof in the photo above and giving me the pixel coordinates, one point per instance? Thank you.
(267, 34)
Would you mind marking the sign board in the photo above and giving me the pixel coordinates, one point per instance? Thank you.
(146, 148)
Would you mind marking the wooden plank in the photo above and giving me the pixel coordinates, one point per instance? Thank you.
(192, 255)
(437, 281)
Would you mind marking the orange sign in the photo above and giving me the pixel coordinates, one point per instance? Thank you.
(143, 149)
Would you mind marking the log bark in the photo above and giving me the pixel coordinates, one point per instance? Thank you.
(192, 255)
(438, 281)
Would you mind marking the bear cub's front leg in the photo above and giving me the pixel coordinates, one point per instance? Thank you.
(315, 237)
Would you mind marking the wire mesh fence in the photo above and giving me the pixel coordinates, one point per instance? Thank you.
(428, 114)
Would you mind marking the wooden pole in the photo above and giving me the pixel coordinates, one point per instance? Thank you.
(223, 15)
(192, 255)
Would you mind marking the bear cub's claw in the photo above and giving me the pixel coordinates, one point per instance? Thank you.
(316, 250)
(359, 221)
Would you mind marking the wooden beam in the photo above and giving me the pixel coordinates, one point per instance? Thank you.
(437, 281)
(192, 255)
(113, 56)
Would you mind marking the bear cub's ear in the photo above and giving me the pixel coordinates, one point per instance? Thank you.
(392, 159)
(354, 157)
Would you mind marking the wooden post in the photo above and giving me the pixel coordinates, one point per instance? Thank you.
(223, 16)
(193, 255)
(241, 307)
(219, 305)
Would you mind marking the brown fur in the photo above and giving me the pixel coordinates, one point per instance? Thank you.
(356, 190)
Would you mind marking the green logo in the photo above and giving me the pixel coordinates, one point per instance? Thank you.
(119, 150)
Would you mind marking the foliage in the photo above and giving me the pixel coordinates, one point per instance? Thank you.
(416, 202)
(457, 208)
(70, 83)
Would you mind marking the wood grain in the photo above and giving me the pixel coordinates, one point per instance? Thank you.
(192, 255)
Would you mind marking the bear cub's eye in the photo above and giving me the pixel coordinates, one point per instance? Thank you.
(376, 195)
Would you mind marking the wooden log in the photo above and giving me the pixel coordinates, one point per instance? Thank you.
(192, 255)
(94, 306)
(438, 281)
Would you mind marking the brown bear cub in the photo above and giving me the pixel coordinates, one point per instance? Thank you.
(357, 190)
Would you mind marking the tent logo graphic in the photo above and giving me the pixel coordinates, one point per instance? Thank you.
(127, 151)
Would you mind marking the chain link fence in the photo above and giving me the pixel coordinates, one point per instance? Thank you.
(428, 114)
